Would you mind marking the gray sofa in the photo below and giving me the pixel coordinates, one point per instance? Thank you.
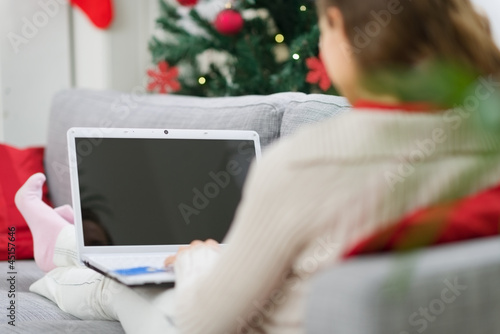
(449, 289)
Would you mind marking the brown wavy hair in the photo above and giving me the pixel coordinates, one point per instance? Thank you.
(447, 30)
(411, 34)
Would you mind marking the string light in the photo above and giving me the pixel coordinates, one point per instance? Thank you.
(279, 38)
(228, 5)
(296, 56)
(303, 8)
(202, 80)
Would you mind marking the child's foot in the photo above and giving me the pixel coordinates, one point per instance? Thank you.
(44, 222)
(66, 212)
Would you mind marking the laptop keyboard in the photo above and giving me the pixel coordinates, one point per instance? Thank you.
(114, 262)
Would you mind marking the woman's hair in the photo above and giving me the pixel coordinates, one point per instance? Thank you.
(418, 50)
(402, 33)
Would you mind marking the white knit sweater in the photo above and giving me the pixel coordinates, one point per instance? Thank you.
(314, 195)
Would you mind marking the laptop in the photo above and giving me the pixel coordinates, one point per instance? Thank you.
(140, 194)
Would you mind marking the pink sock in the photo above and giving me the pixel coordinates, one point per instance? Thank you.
(66, 212)
(44, 222)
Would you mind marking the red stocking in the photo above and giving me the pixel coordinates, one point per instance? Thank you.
(100, 12)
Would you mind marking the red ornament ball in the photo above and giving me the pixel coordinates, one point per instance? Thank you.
(229, 22)
(188, 2)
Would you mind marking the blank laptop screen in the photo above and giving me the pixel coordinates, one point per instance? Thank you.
(159, 191)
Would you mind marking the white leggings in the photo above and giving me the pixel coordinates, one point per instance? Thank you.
(89, 295)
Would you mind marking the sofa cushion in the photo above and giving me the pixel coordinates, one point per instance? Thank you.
(85, 108)
(37, 314)
(64, 326)
(17, 166)
(30, 306)
(305, 109)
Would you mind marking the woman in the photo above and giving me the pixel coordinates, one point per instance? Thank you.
(315, 194)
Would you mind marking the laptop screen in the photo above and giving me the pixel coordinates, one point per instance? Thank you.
(159, 191)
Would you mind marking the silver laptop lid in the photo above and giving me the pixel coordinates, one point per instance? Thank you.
(152, 190)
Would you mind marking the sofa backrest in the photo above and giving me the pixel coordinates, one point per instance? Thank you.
(272, 116)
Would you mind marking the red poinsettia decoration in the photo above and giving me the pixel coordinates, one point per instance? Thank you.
(317, 73)
(164, 79)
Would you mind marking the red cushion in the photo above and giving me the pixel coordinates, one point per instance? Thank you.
(473, 217)
(17, 165)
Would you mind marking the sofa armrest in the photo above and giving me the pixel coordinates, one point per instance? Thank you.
(447, 289)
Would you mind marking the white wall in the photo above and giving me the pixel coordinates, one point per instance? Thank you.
(66, 50)
(118, 57)
(34, 63)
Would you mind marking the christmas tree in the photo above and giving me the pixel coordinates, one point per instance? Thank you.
(241, 47)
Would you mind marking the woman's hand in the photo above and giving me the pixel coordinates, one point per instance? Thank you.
(209, 243)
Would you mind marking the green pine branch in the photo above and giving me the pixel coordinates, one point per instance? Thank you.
(251, 64)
